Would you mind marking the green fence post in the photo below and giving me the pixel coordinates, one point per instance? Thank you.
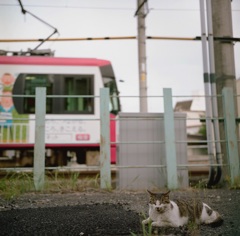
(170, 147)
(231, 133)
(105, 163)
(39, 146)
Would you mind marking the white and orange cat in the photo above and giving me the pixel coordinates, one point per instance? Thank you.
(166, 213)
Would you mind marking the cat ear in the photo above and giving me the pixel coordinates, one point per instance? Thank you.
(167, 193)
(150, 192)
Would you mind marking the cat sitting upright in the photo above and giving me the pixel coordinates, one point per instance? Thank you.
(166, 213)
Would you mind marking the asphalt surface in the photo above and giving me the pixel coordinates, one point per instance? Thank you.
(97, 219)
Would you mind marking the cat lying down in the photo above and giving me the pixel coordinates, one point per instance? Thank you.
(166, 213)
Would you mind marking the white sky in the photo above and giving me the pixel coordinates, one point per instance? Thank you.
(170, 64)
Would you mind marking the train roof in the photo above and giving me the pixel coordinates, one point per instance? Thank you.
(51, 61)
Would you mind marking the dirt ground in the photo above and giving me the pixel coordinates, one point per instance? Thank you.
(96, 212)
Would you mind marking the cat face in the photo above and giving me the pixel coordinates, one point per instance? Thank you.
(159, 201)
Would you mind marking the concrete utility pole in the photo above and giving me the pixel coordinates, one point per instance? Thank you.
(224, 60)
(141, 14)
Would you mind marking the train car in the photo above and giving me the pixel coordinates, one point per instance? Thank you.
(72, 128)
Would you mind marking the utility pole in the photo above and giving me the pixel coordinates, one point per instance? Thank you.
(224, 61)
(141, 14)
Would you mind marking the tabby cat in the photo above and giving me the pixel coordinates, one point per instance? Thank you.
(166, 213)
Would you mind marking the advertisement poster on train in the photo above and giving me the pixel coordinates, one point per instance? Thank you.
(6, 102)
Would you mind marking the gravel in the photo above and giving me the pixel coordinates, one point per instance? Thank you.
(97, 212)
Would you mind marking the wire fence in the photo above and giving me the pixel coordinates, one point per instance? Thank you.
(191, 144)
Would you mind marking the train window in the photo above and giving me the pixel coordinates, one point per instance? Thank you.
(81, 86)
(31, 82)
(114, 105)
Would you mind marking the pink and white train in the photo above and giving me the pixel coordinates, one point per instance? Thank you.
(72, 121)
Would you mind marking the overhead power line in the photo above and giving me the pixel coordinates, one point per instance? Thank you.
(197, 38)
(72, 6)
(24, 11)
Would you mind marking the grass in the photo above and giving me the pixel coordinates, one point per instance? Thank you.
(235, 184)
(201, 184)
(225, 183)
(15, 184)
(71, 181)
(147, 229)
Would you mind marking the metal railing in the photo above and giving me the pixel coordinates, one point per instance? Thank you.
(15, 133)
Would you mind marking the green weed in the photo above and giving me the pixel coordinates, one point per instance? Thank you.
(235, 184)
(13, 185)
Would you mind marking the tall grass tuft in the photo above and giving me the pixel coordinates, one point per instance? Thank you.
(15, 184)
(70, 181)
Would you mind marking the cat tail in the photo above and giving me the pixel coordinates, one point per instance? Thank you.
(211, 217)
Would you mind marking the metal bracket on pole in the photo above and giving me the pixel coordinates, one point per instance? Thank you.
(105, 165)
(231, 133)
(39, 147)
(172, 178)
